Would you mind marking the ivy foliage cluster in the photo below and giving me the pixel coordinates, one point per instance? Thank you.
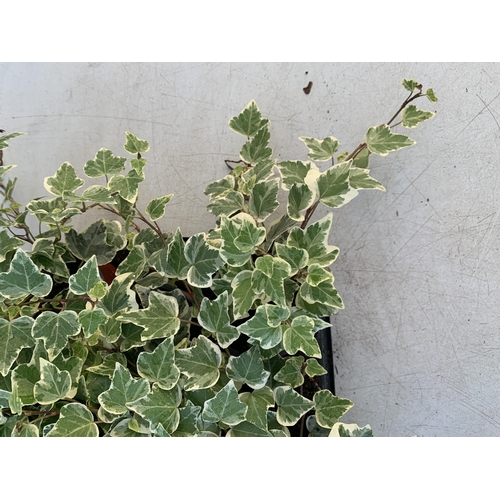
(211, 335)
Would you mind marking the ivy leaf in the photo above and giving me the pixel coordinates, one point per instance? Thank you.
(25, 377)
(240, 238)
(291, 373)
(360, 179)
(64, 181)
(104, 163)
(49, 257)
(135, 145)
(243, 294)
(296, 172)
(297, 258)
(53, 385)
(200, 364)
(350, 430)
(268, 278)
(321, 150)
(204, 261)
(85, 278)
(431, 95)
(108, 365)
(14, 336)
(156, 207)
(126, 185)
(225, 407)
(329, 408)
(410, 85)
(138, 165)
(381, 141)
(246, 429)
(314, 239)
(265, 325)
(323, 292)
(214, 317)
(8, 244)
(25, 430)
(159, 366)
(314, 369)
(258, 402)
(5, 138)
(160, 407)
(291, 405)
(91, 320)
(24, 278)
(362, 160)
(189, 416)
(75, 420)
(228, 204)
(413, 116)
(171, 261)
(51, 211)
(54, 329)
(249, 121)
(220, 187)
(118, 295)
(256, 149)
(248, 368)
(159, 320)
(134, 263)
(333, 185)
(263, 200)
(124, 390)
(92, 242)
(299, 336)
(300, 197)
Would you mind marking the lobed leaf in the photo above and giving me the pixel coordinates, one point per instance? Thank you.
(225, 407)
(248, 368)
(321, 150)
(412, 116)
(291, 405)
(82, 282)
(14, 336)
(258, 402)
(134, 145)
(53, 385)
(329, 408)
(104, 163)
(381, 141)
(156, 207)
(249, 121)
(64, 181)
(75, 420)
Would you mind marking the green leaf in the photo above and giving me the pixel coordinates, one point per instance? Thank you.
(263, 200)
(159, 320)
(135, 145)
(171, 261)
(298, 172)
(51, 211)
(98, 194)
(6, 168)
(14, 336)
(25, 377)
(410, 85)
(138, 165)
(108, 365)
(324, 293)
(124, 390)
(204, 261)
(265, 326)
(156, 207)
(8, 244)
(15, 402)
(159, 366)
(291, 405)
(249, 121)
(360, 179)
(85, 278)
(431, 95)
(256, 149)
(333, 185)
(321, 150)
(413, 116)
(200, 364)
(64, 181)
(268, 278)
(220, 187)
(160, 407)
(314, 239)
(258, 403)
(381, 141)
(91, 320)
(228, 204)
(53, 385)
(126, 185)
(91, 242)
(291, 373)
(248, 368)
(24, 278)
(314, 369)
(243, 294)
(246, 429)
(225, 407)
(134, 263)
(75, 420)
(297, 258)
(25, 430)
(350, 430)
(329, 408)
(362, 160)
(189, 416)
(300, 336)
(240, 238)
(214, 317)
(54, 329)
(300, 197)
(49, 257)
(5, 138)
(104, 163)
(118, 296)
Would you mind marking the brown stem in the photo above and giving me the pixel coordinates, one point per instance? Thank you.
(155, 229)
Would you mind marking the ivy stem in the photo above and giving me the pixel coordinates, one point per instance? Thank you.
(190, 322)
(156, 229)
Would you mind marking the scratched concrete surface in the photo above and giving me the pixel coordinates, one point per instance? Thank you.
(418, 346)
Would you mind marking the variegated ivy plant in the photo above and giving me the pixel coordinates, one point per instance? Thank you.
(211, 335)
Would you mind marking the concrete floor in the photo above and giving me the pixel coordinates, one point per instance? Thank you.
(417, 346)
